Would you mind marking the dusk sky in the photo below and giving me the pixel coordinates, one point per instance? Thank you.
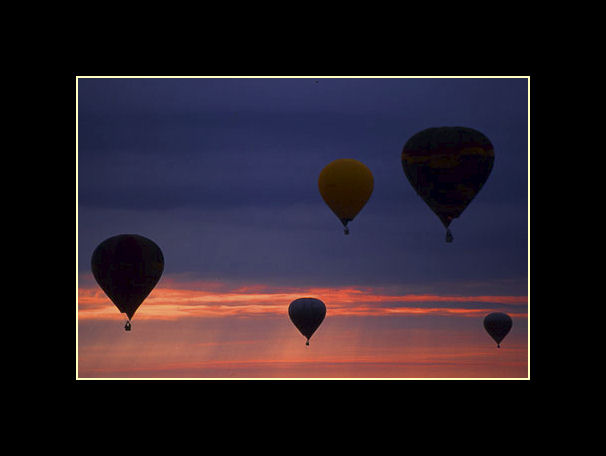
(222, 174)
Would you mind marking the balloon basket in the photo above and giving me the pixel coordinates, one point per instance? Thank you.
(449, 237)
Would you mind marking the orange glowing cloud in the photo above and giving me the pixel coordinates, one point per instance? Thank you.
(174, 300)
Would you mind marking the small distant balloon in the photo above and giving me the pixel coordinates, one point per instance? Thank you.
(307, 314)
(498, 325)
(346, 185)
(127, 267)
(447, 167)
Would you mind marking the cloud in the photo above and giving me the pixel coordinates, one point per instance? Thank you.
(175, 300)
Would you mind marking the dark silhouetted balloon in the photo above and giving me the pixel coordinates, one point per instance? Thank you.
(346, 185)
(498, 325)
(307, 314)
(127, 267)
(447, 166)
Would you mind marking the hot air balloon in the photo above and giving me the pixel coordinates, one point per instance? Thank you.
(346, 185)
(498, 325)
(447, 166)
(307, 314)
(127, 267)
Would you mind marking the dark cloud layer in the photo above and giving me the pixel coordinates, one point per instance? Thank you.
(222, 173)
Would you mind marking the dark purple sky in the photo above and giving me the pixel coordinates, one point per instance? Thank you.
(222, 175)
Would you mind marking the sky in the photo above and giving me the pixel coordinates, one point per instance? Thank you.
(222, 174)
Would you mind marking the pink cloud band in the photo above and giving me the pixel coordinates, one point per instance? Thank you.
(176, 300)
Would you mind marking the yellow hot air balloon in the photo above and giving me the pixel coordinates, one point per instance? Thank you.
(346, 185)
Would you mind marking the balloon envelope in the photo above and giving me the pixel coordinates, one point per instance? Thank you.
(346, 185)
(447, 166)
(498, 325)
(307, 314)
(127, 268)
